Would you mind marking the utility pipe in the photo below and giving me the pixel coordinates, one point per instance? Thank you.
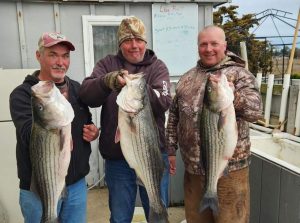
(284, 135)
(284, 99)
(269, 99)
(275, 133)
(244, 54)
(297, 119)
(258, 80)
(261, 128)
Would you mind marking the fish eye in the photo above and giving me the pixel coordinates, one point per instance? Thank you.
(209, 89)
(141, 87)
(40, 107)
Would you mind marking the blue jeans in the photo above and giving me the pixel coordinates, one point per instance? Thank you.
(71, 208)
(122, 187)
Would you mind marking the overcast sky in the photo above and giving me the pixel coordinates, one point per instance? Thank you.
(267, 28)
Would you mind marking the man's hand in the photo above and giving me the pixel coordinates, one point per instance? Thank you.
(172, 162)
(217, 79)
(115, 80)
(90, 132)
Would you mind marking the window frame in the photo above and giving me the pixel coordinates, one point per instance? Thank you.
(88, 21)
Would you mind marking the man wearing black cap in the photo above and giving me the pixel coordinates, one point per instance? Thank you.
(53, 55)
(101, 89)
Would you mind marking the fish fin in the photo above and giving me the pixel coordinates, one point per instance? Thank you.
(225, 172)
(117, 135)
(71, 144)
(65, 150)
(54, 221)
(64, 192)
(139, 182)
(33, 187)
(210, 202)
(158, 217)
(66, 142)
(132, 124)
(221, 121)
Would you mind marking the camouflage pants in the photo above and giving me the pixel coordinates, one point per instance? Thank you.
(233, 196)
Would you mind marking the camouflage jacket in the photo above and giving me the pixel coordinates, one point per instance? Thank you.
(183, 124)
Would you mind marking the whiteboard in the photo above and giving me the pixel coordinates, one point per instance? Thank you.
(175, 30)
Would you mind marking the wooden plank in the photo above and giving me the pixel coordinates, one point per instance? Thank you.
(289, 198)
(270, 192)
(292, 107)
(255, 188)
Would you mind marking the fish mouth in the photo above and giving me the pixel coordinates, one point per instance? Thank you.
(42, 88)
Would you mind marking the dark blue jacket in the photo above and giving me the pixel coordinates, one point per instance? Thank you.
(20, 110)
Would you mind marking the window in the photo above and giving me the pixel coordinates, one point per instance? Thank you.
(105, 41)
(99, 38)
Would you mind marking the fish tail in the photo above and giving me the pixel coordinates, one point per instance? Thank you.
(210, 202)
(155, 217)
(50, 221)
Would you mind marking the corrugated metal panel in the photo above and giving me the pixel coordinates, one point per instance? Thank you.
(10, 54)
(38, 18)
(22, 35)
(205, 15)
(93, 9)
(208, 16)
(216, 2)
(275, 192)
(289, 197)
(56, 17)
(255, 188)
(111, 9)
(71, 26)
(270, 192)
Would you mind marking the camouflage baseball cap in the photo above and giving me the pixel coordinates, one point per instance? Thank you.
(131, 27)
(52, 38)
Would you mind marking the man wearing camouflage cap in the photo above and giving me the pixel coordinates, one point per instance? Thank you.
(102, 88)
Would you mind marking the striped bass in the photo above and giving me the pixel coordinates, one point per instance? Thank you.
(218, 135)
(50, 145)
(140, 141)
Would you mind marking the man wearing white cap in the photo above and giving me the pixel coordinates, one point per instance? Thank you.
(53, 55)
(101, 89)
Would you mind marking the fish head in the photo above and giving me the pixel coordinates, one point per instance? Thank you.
(131, 97)
(49, 107)
(218, 94)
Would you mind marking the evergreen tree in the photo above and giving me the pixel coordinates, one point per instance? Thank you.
(237, 30)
